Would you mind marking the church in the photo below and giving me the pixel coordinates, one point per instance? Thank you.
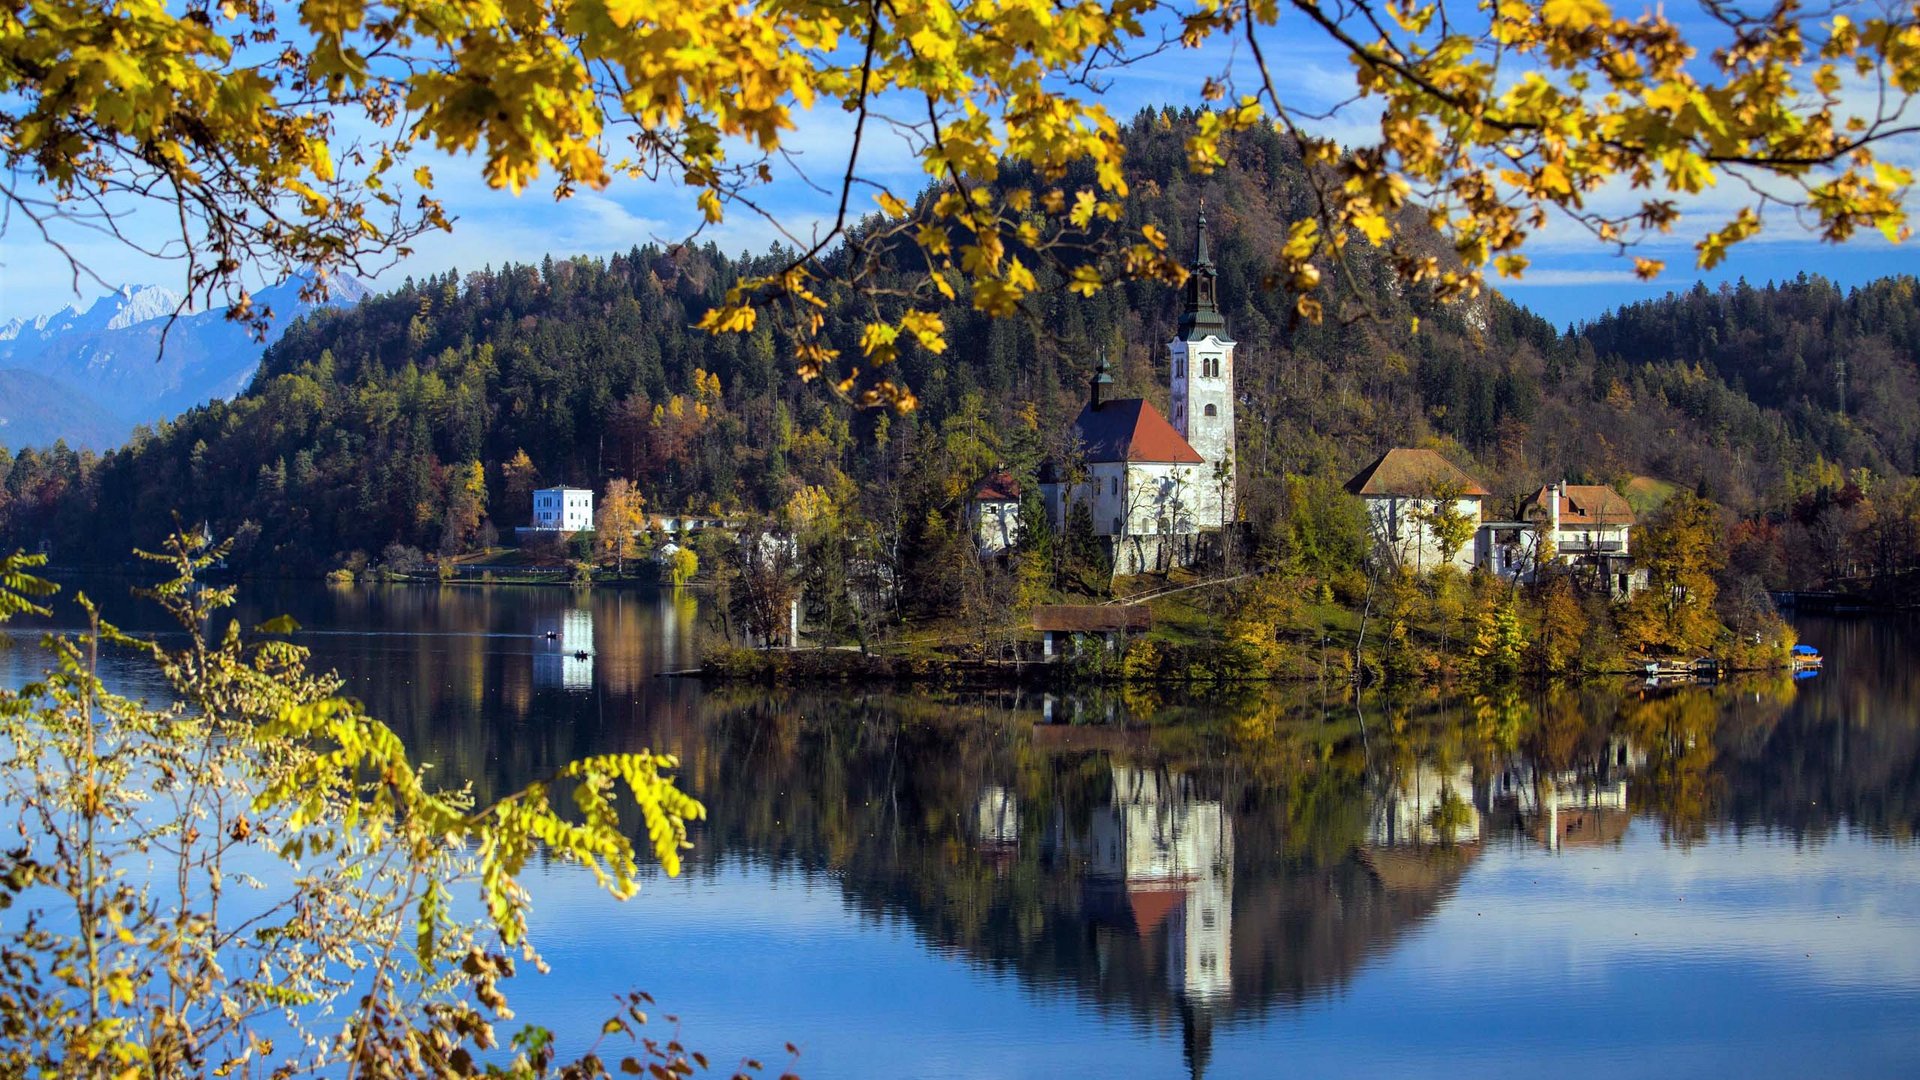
(1160, 489)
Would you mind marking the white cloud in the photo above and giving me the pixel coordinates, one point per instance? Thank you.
(1560, 278)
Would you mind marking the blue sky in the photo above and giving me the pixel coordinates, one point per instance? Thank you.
(1572, 279)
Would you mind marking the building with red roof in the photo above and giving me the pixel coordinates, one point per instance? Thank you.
(1591, 526)
(1157, 486)
(995, 511)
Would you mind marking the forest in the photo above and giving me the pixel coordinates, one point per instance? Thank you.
(426, 415)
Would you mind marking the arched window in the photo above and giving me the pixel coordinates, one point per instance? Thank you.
(1179, 413)
(1116, 526)
(1211, 411)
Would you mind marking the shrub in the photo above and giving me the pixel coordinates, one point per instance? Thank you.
(127, 822)
(402, 559)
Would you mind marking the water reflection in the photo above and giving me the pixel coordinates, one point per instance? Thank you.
(1425, 805)
(1160, 872)
(1564, 807)
(1197, 872)
(565, 659)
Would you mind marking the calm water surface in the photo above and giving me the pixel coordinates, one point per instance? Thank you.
(1605, 882)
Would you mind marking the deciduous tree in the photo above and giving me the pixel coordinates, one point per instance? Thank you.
(617, 524)
(466, 506)
(1441, 517)
(1562, 625)
(518, 479)
(133, 830)
(1469, 130)
(683, 564)
(1681, 548)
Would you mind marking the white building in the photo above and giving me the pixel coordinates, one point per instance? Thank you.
(1587, 527)
(563, 509)
(1583, 519)
(1142, 484)
(1591, 526)
(1201, 359)
(1403, 489)
(1153, 487)
(995, 512)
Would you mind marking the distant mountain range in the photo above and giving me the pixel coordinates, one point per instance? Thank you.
(89, 376)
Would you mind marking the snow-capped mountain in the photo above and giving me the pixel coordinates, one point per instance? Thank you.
(126, 306)
(110, 359)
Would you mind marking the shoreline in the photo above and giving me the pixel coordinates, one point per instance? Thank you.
(849, 666)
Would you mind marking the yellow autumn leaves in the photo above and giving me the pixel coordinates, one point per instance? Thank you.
(1480, 125)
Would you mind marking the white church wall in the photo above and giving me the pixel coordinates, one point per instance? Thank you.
(996, 525)
(1142, 499)
(1151, 512)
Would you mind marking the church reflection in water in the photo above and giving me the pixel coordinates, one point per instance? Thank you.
(1156, 886)
(1180, 867)
(1160, 858)
(1169, 919)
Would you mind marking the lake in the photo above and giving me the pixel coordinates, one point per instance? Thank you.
(1590, 882)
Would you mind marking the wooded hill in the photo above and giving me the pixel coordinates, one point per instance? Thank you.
(364, 427)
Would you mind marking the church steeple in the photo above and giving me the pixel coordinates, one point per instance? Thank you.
(1201, 316)
(1200, 376)
(1102, 381)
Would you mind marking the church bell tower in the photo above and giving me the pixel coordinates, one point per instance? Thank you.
(1202, 375)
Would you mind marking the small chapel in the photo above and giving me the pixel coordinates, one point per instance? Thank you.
(1160, 489)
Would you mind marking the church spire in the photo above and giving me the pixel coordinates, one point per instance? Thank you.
(1201, 315)
(1102, 380)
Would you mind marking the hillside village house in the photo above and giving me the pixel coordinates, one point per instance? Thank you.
(995, 513)
(1401, 489)
(563, 509)
(1155, 486)
(1590, 525)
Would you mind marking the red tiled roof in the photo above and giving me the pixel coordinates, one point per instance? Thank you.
(1131, 429)
(1412, 474)
(1151, 905)
(998, 487)
(1584, 504)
